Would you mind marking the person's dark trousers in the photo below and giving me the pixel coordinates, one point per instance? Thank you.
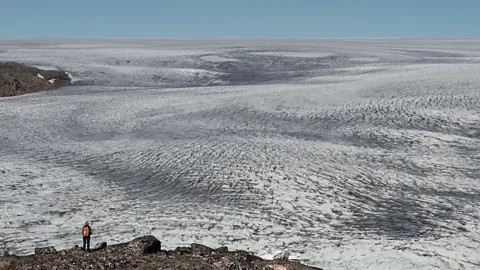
(86, 243)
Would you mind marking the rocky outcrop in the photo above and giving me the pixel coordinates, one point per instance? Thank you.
(144, 254)
(145, 245)
(17, 79)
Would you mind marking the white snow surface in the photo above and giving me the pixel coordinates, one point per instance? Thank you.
(295, 54)
(216, 58)
(44, 67)
(40, 76)
(348, 163)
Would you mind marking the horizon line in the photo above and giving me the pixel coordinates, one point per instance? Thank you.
(240, 38)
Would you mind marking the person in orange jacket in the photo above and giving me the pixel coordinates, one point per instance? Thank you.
(86, 232)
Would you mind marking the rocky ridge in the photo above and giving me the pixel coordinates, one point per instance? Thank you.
(18, 79)
(145, 253)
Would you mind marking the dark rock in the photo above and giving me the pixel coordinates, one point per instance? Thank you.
(201, 249)
(145, 245)
(45, 250)
(245, 256)
(221, 250)
(244, 260)
(244, 266)
(100, 246)
(183, 250)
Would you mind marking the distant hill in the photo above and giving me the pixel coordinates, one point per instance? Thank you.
(18, 79)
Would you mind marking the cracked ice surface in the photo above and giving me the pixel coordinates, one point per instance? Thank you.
(351, 164)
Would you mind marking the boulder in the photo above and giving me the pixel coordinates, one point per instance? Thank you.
(145, 245)
(183, 250)
(201, 249)
(100, 246)
(45, 250)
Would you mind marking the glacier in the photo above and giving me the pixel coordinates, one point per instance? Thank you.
(351, 153)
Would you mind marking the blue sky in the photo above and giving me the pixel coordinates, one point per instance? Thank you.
(239, 19)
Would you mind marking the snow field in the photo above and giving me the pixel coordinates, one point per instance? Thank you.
(351, 164)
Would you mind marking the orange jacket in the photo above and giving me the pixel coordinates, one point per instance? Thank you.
(86, 231)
